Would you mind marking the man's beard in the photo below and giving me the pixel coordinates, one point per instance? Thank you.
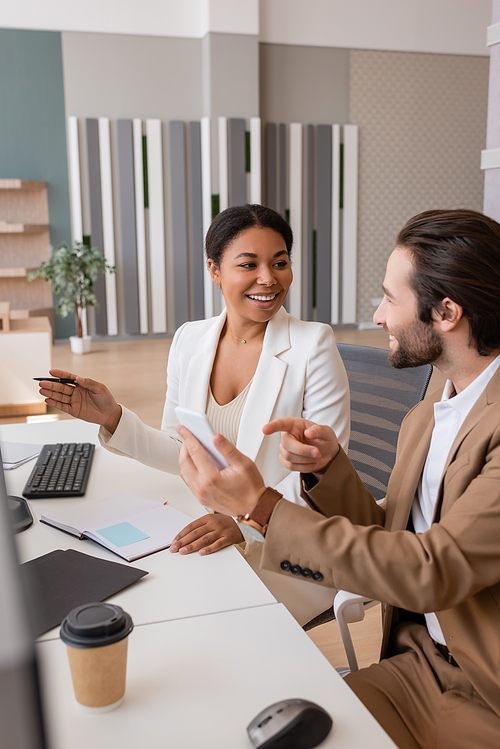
(418, 344)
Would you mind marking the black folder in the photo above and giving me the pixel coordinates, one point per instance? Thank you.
(59, 581)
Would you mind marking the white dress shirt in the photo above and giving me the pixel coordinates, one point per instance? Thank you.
(449, 415)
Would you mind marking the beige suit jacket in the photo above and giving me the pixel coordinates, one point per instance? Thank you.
(453, 569)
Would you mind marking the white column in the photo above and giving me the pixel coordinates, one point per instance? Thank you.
(206, 200)
(75, 191)
(108, 222)
(156, 227)
(335, 224)
(140, 227)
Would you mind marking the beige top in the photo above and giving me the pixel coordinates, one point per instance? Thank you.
(226, 419)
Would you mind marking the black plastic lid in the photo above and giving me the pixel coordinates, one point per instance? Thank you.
(94, 625)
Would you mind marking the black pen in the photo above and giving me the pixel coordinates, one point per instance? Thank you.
(62, 380)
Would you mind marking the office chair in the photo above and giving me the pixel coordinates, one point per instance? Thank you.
(381, 396)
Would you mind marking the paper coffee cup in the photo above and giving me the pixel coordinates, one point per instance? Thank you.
(96, 638)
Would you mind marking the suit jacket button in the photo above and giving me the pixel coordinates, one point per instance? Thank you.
(296, 569)
(285, 565)
(317, 576)
(306, 572)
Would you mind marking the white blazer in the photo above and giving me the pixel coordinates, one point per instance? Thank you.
(300, 373)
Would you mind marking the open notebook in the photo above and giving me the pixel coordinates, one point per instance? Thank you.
(126, 525)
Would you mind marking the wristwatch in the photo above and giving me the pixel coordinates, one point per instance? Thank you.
(254, 523)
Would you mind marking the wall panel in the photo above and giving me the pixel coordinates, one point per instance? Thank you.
(33, 126)
(179, 222)
(422, 122)
(157, 266)
(96, 224)
(128, 225)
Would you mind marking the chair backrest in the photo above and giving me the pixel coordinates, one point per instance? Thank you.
(380, 398)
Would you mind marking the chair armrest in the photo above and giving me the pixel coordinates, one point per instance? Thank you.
(348, 608)
(351, 607)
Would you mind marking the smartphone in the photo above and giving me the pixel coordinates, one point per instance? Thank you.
(200, 426)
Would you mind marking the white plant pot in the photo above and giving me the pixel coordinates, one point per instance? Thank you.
(80, 345)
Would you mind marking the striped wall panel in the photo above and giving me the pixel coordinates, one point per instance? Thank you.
(96, 226)
(223, 164)
(210, 168)
(179, 222)
(140, 226)
(108, 229)
(206, 189)
(130, 287)
(282, 171)
(75, 180)
(156, 227)
(75, 192)
(196, 223)
(271, 160)
(310, 248)
(350, 225)
(296, 189)
(255, 161)
(335, 281)
(237, 188)
(323, 175)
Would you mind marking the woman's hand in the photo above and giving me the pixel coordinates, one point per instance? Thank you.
(207, 534)
(305, 446)
(88, 400)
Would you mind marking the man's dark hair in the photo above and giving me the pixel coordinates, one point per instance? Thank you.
(233, 221)
(456, 254)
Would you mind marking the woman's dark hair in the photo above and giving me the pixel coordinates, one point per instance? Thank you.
(456, 254)
(227, 225)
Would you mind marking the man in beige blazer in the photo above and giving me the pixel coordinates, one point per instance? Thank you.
(431, 552)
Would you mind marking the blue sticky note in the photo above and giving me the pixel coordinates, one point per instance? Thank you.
(123, 534)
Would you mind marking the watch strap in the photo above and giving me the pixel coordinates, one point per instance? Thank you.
(265, 506)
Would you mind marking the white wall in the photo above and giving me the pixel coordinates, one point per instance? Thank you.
(184, 18)
(442, 26)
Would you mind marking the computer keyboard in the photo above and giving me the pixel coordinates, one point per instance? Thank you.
(61, 470)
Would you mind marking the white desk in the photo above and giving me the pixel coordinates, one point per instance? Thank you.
(211, 647)
(177, 586)
(113, 473)
(199, 682)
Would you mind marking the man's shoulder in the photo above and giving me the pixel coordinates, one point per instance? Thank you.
(424, 409)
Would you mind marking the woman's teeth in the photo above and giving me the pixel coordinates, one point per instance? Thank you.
(259, 298)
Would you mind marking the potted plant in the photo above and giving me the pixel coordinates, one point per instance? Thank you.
(72, 272)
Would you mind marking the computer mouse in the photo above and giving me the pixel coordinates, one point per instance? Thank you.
(290, 724)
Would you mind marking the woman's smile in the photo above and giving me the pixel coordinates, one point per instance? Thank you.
(263, 301)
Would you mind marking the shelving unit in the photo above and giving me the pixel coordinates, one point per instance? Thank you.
(6, 228)
(24, 242)
(14, 272)
(25, 307)
(25, 351)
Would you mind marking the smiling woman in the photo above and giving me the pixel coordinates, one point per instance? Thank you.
(251, 364)
(254, 274)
